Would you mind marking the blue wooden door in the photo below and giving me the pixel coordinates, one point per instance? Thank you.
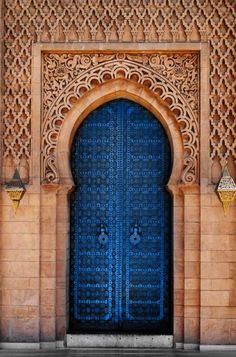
(121, 222)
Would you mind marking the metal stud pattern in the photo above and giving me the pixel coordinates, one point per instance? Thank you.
(120, 222)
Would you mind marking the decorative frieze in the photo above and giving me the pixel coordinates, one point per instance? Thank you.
(29, 21)
(173, 77)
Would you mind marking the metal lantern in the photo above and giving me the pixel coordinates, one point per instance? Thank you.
(226, 189)
(15, 189)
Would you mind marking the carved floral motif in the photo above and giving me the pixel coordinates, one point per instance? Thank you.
(173, 77)
(29, 21)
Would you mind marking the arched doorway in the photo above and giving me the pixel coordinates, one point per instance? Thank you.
(121, 222)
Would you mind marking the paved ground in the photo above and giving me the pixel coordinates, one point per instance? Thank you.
(113, 353)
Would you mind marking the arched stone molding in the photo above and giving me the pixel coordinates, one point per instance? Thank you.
(171, 78)
(139, 25)
(119, 88)
(184, 213)
(100, 94)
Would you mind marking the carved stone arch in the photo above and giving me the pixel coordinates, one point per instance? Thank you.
(118, 88)
(72, 87)
(114, 89)
(70, 77)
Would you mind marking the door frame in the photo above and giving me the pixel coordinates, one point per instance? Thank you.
(186, 197)
(180, 192)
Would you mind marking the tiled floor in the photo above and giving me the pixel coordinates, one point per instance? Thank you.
(113, 353)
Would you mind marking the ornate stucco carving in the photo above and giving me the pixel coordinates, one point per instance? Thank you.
(174, 77)
(29, 21)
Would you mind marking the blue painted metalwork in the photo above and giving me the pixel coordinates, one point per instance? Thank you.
(103, 237)
(120, 222)
(135, 236)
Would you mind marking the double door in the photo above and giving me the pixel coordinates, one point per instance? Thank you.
(120, 222)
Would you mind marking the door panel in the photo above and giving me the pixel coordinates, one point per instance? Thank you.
(120, 222)
(147, 204)
(92, 205)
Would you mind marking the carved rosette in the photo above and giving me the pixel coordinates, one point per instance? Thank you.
(173, 77)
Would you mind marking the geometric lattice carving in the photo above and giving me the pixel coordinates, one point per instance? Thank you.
(28, 21)
(67, 77)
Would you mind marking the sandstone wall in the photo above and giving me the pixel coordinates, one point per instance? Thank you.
(33, 248)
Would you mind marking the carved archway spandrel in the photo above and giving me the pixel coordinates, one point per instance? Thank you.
(67, 77)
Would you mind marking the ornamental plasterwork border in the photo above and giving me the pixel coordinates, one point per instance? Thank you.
(67, 76)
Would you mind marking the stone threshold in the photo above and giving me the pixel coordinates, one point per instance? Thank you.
(120, 341)
(31, 345)
(215, 348)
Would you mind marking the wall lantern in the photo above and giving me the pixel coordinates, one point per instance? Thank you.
(15, 189)
(226, 189)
